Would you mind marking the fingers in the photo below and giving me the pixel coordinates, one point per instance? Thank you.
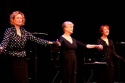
(59, 44)
(57, 40)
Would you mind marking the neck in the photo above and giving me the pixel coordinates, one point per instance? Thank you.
(104, 37)
(17, 27)
(66, 34)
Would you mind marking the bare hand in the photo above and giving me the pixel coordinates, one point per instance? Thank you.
(58, 43)
(99, 47)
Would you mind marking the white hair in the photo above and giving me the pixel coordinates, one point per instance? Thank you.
(67, 22)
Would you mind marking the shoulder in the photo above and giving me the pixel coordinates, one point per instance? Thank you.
(99, 39)
(110, 40)
(60, 37)
(8, 30)
(73, 38)
(23, 29)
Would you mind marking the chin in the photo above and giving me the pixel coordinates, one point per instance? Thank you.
(71, 32)
(107, 34)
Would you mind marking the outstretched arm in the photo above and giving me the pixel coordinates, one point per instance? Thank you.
(90, 45)
(100, 47)
(38, 40)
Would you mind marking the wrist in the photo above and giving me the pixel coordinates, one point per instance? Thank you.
(49, 42)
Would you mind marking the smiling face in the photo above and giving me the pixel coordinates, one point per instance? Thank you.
(68, 27)
(17, 18)
(104, 30)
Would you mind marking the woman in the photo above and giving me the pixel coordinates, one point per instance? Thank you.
(13, 46)
(68, 46)
(108, 51)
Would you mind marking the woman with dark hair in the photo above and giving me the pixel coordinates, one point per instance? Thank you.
(107, 52)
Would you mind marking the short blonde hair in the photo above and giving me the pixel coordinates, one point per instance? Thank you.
(12, 16)
(67, 22)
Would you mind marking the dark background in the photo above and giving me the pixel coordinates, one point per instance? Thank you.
(48, 16)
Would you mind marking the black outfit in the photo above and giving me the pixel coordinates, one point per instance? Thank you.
(14, 50)
(107, 55)
(68, 59)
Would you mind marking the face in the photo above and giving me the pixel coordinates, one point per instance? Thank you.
(105, 31)
(18, 20)
(69, 28)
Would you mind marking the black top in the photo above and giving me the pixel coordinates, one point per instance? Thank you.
(14, 44)
(67, 47)
(108, 50)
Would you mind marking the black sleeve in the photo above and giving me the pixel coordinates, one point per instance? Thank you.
(80, 44)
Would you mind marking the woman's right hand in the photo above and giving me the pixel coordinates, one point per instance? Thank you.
(58, 43)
